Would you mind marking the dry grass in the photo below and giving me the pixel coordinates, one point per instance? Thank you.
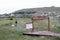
(8, 32)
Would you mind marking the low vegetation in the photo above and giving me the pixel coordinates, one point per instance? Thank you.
(9, 32)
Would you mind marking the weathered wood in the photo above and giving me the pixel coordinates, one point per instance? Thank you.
(41, 18)
(42, 33)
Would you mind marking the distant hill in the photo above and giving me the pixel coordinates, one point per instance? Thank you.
(39, 11)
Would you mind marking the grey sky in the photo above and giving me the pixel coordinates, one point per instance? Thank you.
(8, 6)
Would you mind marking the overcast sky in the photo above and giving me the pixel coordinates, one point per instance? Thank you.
(8, 6)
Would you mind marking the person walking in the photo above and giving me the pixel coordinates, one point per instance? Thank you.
(16, 23)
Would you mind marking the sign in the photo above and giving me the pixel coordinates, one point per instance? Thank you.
(40, 17)
(29, 26)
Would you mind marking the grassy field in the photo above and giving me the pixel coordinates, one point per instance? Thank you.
(8, 32)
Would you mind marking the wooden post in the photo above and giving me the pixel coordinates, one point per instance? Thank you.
(33, 25)
(48, 24)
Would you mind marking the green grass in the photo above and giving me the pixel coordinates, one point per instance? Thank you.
(8, 32)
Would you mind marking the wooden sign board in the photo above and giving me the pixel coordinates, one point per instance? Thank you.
(29, 26)
(39, 17)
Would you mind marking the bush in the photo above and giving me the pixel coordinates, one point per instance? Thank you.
(10, 18)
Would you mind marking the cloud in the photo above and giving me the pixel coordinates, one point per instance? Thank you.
(12, 5)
